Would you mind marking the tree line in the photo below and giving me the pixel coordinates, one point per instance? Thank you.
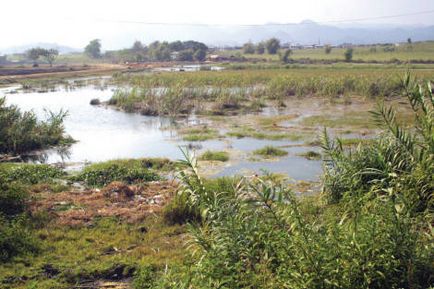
(155, 51)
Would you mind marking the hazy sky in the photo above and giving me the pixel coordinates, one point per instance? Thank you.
(75, 22)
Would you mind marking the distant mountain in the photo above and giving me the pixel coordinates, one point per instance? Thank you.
(306, 32)
(22, 48)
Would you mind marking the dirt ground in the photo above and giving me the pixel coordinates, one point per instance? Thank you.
(82, 206)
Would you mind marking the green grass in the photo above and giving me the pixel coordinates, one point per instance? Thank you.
(270, 151)
(350, 119)
(89, 253)
(246, 131)
(128, 171)
(29, 174)
(199, 134)
(422, 51)
(220, 156)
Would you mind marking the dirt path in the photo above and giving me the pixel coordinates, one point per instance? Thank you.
(11, 75)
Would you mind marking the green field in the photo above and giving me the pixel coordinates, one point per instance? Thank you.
(422, 52)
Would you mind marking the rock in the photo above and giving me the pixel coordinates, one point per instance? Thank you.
(95, 101)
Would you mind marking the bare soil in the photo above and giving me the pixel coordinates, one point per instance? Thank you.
(80, 207)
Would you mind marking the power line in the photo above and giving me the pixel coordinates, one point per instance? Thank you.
(269, 24)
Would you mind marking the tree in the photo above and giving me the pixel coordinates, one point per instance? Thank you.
(328, 49)
(248, 48)
(409, 40)
(137, 46)
(50, 55)
(260, 48)
(284, 57)
(199, 55)
(272, 45)
(176, 46)
(185, 55)
(349, 54)
(34, 54)
(93, 49)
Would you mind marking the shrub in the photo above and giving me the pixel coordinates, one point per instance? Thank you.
(400, 162)
(15, 238)
(262, 236)
(21, 132)
(13, 199)
(179, 211)
(348, 54)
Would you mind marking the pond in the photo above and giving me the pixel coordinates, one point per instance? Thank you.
(104, 133)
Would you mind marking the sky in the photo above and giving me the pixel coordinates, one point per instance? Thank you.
(75, 22)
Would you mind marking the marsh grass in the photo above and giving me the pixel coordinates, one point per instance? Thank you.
(311, 155)
(247, 131)
(199, 134)
(270, 151)
(220, 156)
(232, 92)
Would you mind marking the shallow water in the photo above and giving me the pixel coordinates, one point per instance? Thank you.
(105, 133)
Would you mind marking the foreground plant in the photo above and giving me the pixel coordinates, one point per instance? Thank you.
(22, 132)
(400, 163)
(371, 228)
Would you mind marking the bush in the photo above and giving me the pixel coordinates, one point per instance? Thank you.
(348, 54)
(15, 238)
(22, 132)
(400, 162)
(179, 211)
(262, 236)
(128, 171)
(12, 199)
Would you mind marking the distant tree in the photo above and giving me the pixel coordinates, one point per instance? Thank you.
(409, 40)
(260, 48)
(50, 55)
(328, 49)
(272, 45)
(159, 51)
(284, 57)
(185, 55)
(34, 54)
(248, 48)
(176, 46)
(349, 54)
(93, 49)
(194, 45)
(137, 52)
(199, 55)
(137, 46)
